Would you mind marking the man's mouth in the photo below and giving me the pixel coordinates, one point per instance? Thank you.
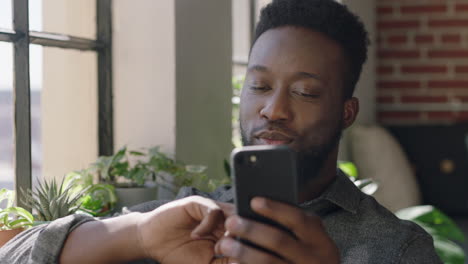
(273, 138)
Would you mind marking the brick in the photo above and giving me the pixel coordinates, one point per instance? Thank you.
(385, 70)
(451, 38)
(461, 69)
(398, 54)
(398, 24)
(399, 84)
(385, 99)
(418, 9)
(448, 84)
(448, 115)
(384, 10)
(397, 39)
(437, 23)
(448, 53)
(399, 115)
(423, 99)
(462, 116)
(459, 8)
(423, 69)
(419, 39)
(440, 115)
(461, 98)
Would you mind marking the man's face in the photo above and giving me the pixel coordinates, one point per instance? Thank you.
(293, 92)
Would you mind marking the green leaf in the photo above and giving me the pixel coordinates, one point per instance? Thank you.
(8, 195)
(120, 154)
(367, 186)
(349, 168)
(433, 220)
(21, 213)
(137, 153)
(19, 223)
(448, 251)
(227, 168)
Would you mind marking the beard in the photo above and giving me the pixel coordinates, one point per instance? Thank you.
(310, 160)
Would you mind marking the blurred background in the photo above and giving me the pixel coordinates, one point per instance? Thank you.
(177, 68)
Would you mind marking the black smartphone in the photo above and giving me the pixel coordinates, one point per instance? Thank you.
(266, 171)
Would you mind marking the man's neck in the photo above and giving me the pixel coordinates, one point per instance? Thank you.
(315, 187)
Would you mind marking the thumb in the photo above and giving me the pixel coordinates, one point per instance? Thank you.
(212, 223)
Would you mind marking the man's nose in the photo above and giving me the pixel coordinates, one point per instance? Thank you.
(277, 107)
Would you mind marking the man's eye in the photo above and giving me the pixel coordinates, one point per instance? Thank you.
(259, 88)
(307, 95)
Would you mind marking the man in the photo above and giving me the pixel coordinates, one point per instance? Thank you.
(303, 67)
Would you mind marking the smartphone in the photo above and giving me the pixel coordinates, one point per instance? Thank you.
(266, 171)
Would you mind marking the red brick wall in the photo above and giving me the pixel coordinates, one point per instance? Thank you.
(422, 61)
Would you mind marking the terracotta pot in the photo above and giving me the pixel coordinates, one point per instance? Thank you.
(6, 235)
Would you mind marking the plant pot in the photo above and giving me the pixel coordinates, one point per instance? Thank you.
(134, 195)
(6, 235)
(166, 186)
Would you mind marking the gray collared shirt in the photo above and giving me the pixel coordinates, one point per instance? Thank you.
(363, 230)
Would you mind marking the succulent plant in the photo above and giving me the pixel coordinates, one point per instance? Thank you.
(52, 201)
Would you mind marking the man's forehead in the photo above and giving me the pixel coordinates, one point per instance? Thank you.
(286, 47)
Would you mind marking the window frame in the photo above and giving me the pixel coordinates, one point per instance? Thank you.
(21, 37)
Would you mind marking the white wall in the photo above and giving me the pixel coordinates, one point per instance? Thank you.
(365, 89)
(69, 91)
(172, 82)
(144, 73)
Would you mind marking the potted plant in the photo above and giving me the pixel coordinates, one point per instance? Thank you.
(51, 201)
(99, 199)
(172, 174)
(131, 175)
(13, 219)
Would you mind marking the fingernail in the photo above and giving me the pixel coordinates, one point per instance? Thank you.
(234, 223)
(259, 202)
(229, 247)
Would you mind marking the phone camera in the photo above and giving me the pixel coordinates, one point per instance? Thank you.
(253, 159)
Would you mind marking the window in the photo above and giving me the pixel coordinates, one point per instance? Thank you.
(26, 48)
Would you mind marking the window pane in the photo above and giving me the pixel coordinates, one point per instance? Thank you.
(35, 15)
(35, 67)
(68, 112)
(6, 117)
(70, 17)
(6, 14)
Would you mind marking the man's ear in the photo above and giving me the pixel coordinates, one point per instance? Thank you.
(350, 111)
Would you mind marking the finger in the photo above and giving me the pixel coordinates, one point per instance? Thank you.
(228, 208)
(234, 249)
(225, 260)
(304, 225)
(211, 225)
(266, 236)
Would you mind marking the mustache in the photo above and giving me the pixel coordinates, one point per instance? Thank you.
(274, 125)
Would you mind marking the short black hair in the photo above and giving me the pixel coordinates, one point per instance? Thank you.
(329, 17)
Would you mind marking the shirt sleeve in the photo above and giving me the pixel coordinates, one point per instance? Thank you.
(44, 243)
(420, 250)
(41, 244)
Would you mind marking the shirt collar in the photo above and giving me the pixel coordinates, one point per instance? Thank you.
(341, 192)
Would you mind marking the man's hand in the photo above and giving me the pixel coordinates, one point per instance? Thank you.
(183, 231)
(313, 245)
